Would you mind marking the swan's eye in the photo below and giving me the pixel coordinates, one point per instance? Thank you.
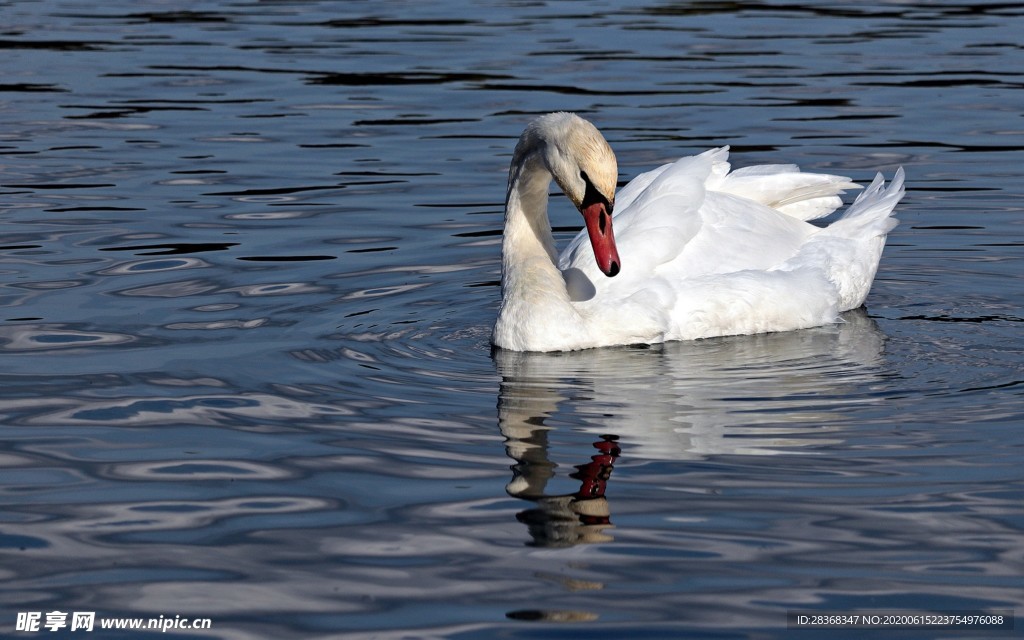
(591, 194)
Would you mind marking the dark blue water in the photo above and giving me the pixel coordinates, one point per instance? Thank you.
(249, 256)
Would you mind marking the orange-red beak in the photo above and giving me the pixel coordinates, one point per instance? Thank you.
(599, 226)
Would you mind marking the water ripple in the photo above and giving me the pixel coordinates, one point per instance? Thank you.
(194, 410)
(40, 337)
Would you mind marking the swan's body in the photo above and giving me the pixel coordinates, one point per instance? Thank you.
(704, 252)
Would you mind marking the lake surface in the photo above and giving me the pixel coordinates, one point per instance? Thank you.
(250, 262)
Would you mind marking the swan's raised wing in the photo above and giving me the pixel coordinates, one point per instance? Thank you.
(694, 216)
(783, 187)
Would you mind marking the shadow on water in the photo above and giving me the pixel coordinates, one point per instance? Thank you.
(748, 395)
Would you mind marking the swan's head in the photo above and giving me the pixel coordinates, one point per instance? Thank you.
(584, 166)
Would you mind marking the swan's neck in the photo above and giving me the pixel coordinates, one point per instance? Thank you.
(533, 293)
(527, 236)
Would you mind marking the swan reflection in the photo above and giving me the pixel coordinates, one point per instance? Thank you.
(745, 395)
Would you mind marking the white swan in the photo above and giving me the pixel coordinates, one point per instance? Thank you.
(704, 252)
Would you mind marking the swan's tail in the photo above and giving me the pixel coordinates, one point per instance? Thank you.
(870, 212)
(851, 247)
